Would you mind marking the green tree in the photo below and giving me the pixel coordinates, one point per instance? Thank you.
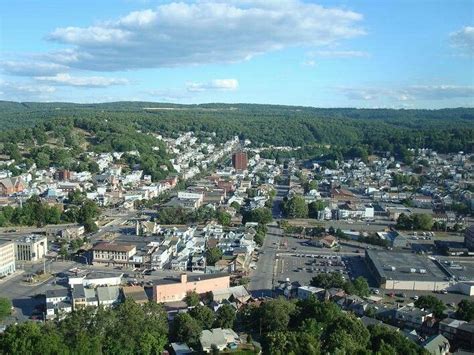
(191, 299)
(296, 207)
(213, 255)
(90, 226)
(346, 334)
(361, 287)
(275, 314)
(225, 317)
(290, 342)
(204, 315)
(5, 308)
(433, 303)
(89, 211)
(330, 280)
(224, 218)
(465, 310)
(235, 205)
(423, 221)
(386, 341)
(260, 215)
(185, 329)
(314, 207)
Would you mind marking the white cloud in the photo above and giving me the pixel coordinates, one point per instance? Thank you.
(463, 39)
(19, 91)
(440, 92)
(31, 68)
(409, 93)
(202, 32)
(217, 84)
(65, 79)
(338, 54)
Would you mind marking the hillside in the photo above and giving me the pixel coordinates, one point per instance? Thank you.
(446, 130)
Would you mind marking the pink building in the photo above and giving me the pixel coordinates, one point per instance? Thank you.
(172, 290)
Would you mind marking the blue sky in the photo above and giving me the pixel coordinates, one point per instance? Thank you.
(401, 54)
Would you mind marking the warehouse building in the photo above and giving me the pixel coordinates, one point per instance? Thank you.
(407, 271)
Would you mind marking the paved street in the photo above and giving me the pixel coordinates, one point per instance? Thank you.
(22, 294)
(261, 278)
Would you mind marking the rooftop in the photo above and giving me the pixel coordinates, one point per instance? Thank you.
(136, 293)
(113, 247)
(108, 293)
(30, 239)
(190, 278)
(63, 292)
(5, 242)
(405, 266)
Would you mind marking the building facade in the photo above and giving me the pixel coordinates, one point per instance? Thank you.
(9, 186)
(109, 253)
(240, 161)
(31, 248)
(175, 290)
(7, 258)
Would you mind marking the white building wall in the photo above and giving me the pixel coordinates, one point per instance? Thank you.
(416, 285)
(466, 288)
(7, 258)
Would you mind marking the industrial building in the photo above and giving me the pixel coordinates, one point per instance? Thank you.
(406, 271)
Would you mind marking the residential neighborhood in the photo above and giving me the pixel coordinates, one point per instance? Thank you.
(236, 228)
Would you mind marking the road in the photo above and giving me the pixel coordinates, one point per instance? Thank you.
(261, 282)
(21, 293)
(262, 278)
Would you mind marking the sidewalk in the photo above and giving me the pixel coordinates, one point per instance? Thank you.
(9, 277)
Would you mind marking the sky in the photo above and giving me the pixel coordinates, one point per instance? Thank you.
(337, 53)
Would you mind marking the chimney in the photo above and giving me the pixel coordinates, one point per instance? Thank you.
(184, 278)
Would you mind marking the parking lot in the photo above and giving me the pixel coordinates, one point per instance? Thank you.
(302, 267)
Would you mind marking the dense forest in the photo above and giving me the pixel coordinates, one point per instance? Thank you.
(349, 132)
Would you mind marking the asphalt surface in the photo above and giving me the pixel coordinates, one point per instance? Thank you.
(262, 278)
(23, 293)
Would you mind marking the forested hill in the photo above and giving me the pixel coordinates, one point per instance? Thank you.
(446, 130)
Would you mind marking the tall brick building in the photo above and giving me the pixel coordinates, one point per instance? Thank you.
(239, 161)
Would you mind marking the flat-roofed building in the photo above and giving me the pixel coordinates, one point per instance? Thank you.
(172, 290)
(110, 253)
(7, 257)
(31, 248)
(306, 292)
(406, 271)
(95, 278)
